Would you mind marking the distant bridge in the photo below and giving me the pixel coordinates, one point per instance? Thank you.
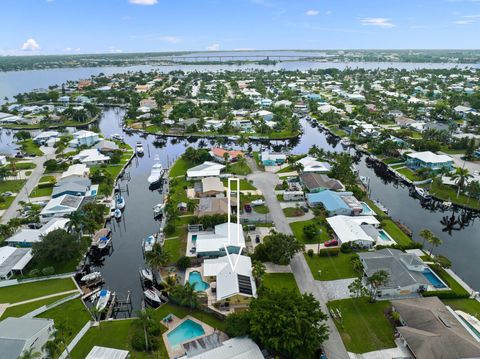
(221, 58)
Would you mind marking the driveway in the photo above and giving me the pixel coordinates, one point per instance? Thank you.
(336, 289)
(266, 182)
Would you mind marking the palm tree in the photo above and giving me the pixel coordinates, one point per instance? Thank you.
(258, 271)
(461, 176)
(30, 354)
(192, 206)
(157, 257)
(474, 190)
(426, 234)
(76, 222)
(186, 295)
(169, 283)
(376, 280)
(435, 242)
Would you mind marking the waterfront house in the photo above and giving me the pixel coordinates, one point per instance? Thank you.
(13, 261)
(149, 103)
(237, 348)
(84, 138)
(315, 182)
(77, 170)
(431, 330)
(209, 187)
(106, 146)
(405, 272)
(244, 124)
(75, 186)
(18, 335)
(336, 203)
(206, 169)
(263, 114)
(218, 154)
(312, 165)
(283, 103)
(273, 158)
(91, 157)
(235, 286)
(25, 237)
(429, 160)
(107, 353)
(61, 206)
(214, 243)
(65, 100)
(43, 137)
(265, 102)
(208, 206)
(360, 231)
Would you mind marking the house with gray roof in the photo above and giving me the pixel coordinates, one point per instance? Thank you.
(431, 330)
(406, 272)
(13, 260)
(18, 335)
(316, 182)
(75, 186)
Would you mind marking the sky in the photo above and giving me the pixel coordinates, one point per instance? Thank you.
(34, 27)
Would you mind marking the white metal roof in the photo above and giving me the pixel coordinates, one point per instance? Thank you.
(107, 353)
(235, 348)
(430, 157)
(348, 229)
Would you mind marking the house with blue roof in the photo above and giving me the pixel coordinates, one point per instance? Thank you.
(335, 203)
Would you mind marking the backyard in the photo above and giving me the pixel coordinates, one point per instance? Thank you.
(364, 326)
(26, 291)
(331, 267)
(22, 309)
(447, 193)
(279, 281)
(297, 228)
(396, 233)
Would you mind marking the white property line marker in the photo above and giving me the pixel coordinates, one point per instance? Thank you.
(240, 243)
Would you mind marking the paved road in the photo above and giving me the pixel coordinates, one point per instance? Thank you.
(472, 166)
(266, 182)
(32, 181)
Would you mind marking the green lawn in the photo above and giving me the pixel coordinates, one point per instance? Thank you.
(11, 186)
(297, 228)
(448, 279)
(47, 178)
(277, 281)
(23, 165)
(293, 212)
(331, 268)
(364, 326)
(396, 233)
(176, 247)
(286, 170)
(470, 306)
(262, 209)
(42, 192)
(20, 310)
(115, 334)
(28, 146)
(180, 167)
(244, 185)
(411, 175)
(21, 292)
(239, 168)
(71, 315)
(447, 193)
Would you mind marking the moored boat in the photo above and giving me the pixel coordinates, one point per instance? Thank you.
(117, 213)
(158, 210)
(421, 192)
(103, 242)
(139, 148)
(152, 297)
(146, 274)
(148, 243)
(103, 298)
(156, 173)
(119, 202)
(91, 277)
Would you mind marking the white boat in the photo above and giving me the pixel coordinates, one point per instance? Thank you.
(117, 213)
(139, 148)
(156, 173)
(152, 297)
(345, 141)
(146, 274)
(447, 204)
(119, 202)
(91, 277)
(103, 298)
(233, 138)
(148, 243)
(422, 192)
(380, 206)
(158, 209)
(103, 242)
(117, 137)
(257, 202)
(365, 180)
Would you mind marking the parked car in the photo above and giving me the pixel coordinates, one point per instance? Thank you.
(258, 202)
(19, 155)
(331, 243)
(304, 208)
(257, 238)
(248, 208)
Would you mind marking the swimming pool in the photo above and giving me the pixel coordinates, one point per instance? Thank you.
(196, 279)
(194, 238)
(433, 279)
(184, 332)
(384, 236)
(366, 209)
(472, 328)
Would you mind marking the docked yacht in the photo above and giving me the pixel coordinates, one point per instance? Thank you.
(119, 202)
(103, 298)
(152, 297)
(117, 137)
(158, 210)
(233, 138)
(103, 242)
(421, 192)
(157, 172)
(139, 149)
(148, 243)
(91, 277)
(117, 213)
(146, 274)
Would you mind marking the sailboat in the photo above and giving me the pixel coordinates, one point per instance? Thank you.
(157, 171)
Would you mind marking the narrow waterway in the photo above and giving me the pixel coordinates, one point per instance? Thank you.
(120, 269)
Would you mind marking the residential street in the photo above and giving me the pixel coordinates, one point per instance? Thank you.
(265, 182)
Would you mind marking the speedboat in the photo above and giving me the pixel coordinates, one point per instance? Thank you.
(91, 277)
(158, 210)
(233, 138)
(345, 141)
(103, 298)
(422, 192)
(104, 232)
(103, 242)
(117, 213)
(365, 180)
(152, 297)
(117, 137)
(139, 149)
(156, 173)
(148, 243)
(146, 274)
(119, 202)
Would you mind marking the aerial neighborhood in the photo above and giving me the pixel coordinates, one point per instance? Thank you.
(241, 214)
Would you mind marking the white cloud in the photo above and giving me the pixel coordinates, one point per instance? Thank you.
(463, 22)
(376, 21)
(30, 45)
(114, 50)
(170, 39)
(143, 2)
(213, 47)
(312, 12)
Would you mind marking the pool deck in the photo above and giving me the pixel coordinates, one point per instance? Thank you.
(198, 269)
(178, 351)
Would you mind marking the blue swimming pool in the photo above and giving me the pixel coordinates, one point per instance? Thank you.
(194, 238)
(186, 331)
(196, 279)
(366, 209)
(384, 236)
(433, 279)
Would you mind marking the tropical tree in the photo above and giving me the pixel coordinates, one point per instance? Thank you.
(278, 248)
(157, 257)
(356, 289)
(76, 222)
(376, 280)
(435, 242)
(185, 295)
(426, 234)
(258, 271)
(461, 177)
(30, 354)
(473, 190)
(192, 206)
(169, 283)
(48, 248)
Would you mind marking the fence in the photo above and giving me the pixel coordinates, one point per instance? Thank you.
(44, 308)
(7, 283)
